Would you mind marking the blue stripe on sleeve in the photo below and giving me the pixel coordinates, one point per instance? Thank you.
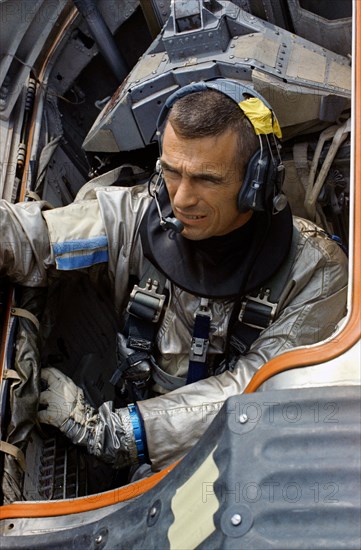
(67, 247)
(83, 260)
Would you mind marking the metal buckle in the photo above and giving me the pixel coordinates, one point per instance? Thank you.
(261, 298)
(199, 346)
(203, 309)
(141, 296)
(199, 349)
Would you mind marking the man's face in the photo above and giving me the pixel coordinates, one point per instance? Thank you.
(203, 181)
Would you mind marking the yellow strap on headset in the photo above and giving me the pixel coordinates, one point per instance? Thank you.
(260, 116)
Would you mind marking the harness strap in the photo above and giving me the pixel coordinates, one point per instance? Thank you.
(145, 306)
(15, 452)
(10, 374)
(258, 310)
(128, 363)
(19, 312)
(198, 369)
(242, 338)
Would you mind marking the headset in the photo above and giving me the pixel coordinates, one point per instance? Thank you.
(264, 174)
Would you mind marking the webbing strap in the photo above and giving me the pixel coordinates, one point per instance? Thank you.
(15, 452)
(257, 314)
(144, 308)
(243, 337)
(10, 374)
(19, 312)
(129, 362)
(198, 369)
(33, 195)
(140, 334)
(259, 310)
(279, 281)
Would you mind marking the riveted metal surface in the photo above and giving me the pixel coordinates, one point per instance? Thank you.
(287, 483)
(230, 44)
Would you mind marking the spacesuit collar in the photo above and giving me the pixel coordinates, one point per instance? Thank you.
(252, 254)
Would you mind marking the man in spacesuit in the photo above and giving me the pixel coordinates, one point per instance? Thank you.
(228, 278)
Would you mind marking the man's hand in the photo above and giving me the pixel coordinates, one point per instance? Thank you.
(106, 433)
(63, 399)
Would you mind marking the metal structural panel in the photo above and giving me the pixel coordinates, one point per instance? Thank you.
(300, 69)
(325, 23)
(275, 469)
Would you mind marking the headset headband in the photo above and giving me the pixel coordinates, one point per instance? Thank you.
(255, 107)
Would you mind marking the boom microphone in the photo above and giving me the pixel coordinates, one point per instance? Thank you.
(168, 223)
(171, 223)
(165, 223)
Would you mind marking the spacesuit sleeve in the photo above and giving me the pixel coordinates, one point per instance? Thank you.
(174, 422)
(25, 253)
(35, 238)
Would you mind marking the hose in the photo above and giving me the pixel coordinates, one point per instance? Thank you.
(103, 37)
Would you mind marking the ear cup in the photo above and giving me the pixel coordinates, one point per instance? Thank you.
(258, 182)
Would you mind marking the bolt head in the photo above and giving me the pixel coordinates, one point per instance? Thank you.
(243, 418)
(236, 519)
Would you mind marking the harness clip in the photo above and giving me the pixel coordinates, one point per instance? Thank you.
(204, 309)
(257, 311)
(198, 352)
(145, 302)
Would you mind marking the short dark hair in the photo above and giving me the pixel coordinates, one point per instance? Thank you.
(211, 113)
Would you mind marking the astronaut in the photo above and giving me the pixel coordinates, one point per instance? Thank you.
(228, 278)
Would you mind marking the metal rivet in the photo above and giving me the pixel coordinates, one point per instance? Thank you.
(98, 539)
(153, 511)
(236, 519)
(243, 418)
(231, 56)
